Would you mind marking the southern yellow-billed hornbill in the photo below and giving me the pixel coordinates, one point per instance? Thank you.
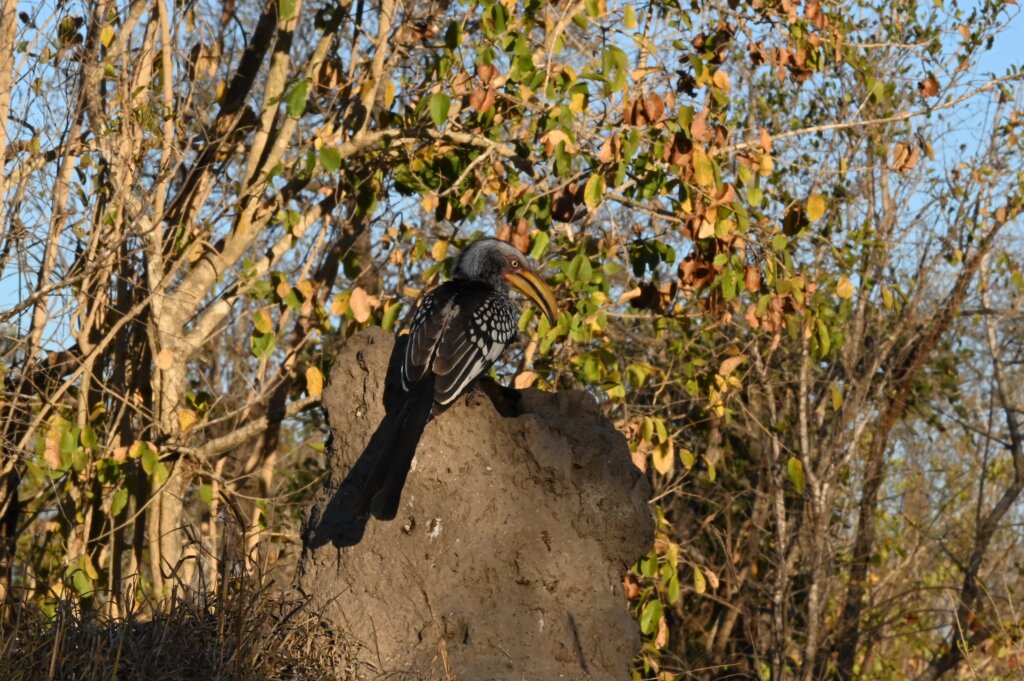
(459, 330)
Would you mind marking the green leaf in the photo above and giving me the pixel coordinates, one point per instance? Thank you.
(330, 159)
(824, 342)
(650, 617)
(673, 588)
(261, 344)
(118, 501)
(287, 9)
(296, 98)
(594, 191)
(88, 437)
(159, 473)
(754, 196)
(796, 473)
(453, 36)
(539, 245)
(439, 104)
(83, 585)
(390, 317)
(780, 241)
(206, 493)
(149, 460)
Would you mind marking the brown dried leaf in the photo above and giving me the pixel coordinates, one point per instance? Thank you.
(639, 457)
(699, 127)
(765, 141)
(654, 105)
(752, 279)
(630, 587)
(751, 316)
(929, 87)
(482, 99)
(524, 379)
(611, 150)
(362, 304)
(486, 72)
(661, 640)
(679, 153)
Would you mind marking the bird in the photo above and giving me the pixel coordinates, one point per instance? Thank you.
(458, 331)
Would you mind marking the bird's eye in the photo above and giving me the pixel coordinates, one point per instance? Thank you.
(515, 264)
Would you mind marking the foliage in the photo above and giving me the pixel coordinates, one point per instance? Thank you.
(787, 272)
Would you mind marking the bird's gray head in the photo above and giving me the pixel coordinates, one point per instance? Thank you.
(501, 265)
(488, 260)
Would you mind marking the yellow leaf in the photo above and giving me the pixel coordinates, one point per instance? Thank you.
(662, 456)
(729, 365)
(815, 207)
(106, 35)
(687, 458)
(577, 103)
(389, 93)
(703, 172)
(186, 420)
(837, 397)
(439, 250)
(844, 287)
(766, 166)
(887, 298)
(429, 202)
(339, 305)
(721, 80)
(314, 381)
(262, 321)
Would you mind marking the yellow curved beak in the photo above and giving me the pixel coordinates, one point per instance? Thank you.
(534, 288)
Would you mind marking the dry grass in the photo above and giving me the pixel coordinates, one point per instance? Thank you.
(241, 632)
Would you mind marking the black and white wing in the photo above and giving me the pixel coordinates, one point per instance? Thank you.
(458, 338)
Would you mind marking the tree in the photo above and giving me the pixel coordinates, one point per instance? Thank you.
(788, 273)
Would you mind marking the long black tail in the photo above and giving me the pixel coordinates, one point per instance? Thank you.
(396, 449)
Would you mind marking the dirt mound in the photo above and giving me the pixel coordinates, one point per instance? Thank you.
(506, 557)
